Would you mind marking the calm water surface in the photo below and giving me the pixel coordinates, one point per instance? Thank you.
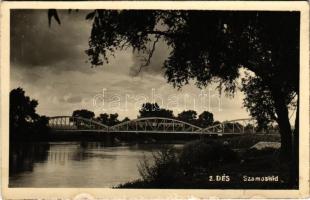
(76, 164)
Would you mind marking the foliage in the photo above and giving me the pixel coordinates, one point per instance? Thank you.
(191, 167)
(40, 124)
(164, 170)
(205, 155)
(210, 46)
(113, 119)
(126, 119)
(103, 118)
(134, 184)
(266, 158)
(23, 117)
(196, 157)
(254, 153)
(22, 108)
(205, 45)
(205, 119)
(189, 116)
(52, 13)
(83, 113)
(153, 110)
(108, 119)
(259, 101)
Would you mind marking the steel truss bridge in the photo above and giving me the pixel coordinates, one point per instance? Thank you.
(155, 125)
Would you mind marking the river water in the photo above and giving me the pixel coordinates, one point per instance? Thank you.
(76, 164)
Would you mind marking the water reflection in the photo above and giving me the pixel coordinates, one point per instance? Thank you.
(24, 155)
(76, 164)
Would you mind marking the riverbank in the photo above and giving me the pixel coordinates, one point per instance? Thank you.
(236, 141)
(210, 164)
(189, 165)
(103, 137)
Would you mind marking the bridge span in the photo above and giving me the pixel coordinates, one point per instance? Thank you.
(158, 125)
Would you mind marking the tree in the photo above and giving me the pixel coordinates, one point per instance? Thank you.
(22, 110)
(189, 116)
(113, 119)
(259, 101)
(23, 117)
(210, 46)
(153, 110)
(205, 119)
(126, 119)
(103, 118)
(40, 124)
(108, 119)
(83, 113)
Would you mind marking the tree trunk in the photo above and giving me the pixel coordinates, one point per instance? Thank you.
(295, 162)
(286, 154)
(284, 126)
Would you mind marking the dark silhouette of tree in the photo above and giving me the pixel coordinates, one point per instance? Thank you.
(153, 110)
(126, 119)
(205, 119)
(23, 117)
(23, 157)
(103, 118)
(22, 110)
(83, 113)
(210, 46)
(189, 116)
(259, 101)
(113, 119)
(40, 124)
(108, 119)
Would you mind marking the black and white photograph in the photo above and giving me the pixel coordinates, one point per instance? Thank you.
(154, 99)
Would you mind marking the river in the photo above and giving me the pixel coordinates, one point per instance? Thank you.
(76, 164)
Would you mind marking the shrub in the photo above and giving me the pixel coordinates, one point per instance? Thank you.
(171, 168)
(254, 153)
(207, 156)
(164, 170)
(266, 159)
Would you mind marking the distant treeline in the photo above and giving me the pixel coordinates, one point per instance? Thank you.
(26, 123)
(205, 119)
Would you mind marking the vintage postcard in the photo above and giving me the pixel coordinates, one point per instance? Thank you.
(154, 100)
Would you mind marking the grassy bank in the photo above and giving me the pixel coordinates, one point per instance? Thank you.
(215, 163)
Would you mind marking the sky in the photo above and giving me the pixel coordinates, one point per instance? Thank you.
(50, 64)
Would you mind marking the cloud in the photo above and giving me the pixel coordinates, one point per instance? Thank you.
(61, 47)
(73, 99)
(49, 63)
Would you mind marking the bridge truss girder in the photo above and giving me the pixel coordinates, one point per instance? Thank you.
(155, 125)
(75, 123)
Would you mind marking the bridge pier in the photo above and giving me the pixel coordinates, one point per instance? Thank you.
(108, 139)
